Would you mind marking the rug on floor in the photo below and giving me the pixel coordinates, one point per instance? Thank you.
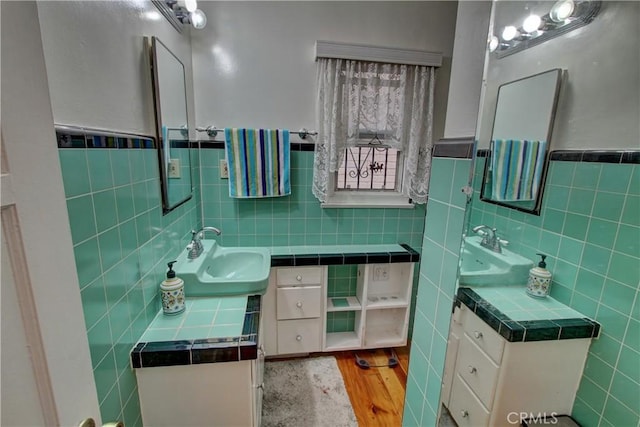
(305, 392)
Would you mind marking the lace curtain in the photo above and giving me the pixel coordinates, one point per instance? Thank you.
(392, 100)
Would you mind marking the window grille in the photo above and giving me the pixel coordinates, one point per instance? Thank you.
(367, 167)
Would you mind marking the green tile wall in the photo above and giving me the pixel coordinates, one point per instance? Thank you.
(298, 219)
(121, 244)
(437, 280)
(590, 228)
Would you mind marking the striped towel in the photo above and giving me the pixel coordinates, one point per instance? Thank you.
(258, 161)
(516, 168)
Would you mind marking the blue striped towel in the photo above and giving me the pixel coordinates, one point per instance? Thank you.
(258, 161)
(516, 168)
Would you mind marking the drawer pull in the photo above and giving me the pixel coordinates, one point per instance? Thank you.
(464, 413)
(298, 337)
(477, 334)
(299, 304)
(472, 369)
(299, 278)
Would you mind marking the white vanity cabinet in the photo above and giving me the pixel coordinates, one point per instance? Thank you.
(294, 309)
(211, 394)
(489, 381)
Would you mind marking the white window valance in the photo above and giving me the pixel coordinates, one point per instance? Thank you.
(361, 52)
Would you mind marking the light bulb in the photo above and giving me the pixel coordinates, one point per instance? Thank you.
(191, 5)
(531, 23)
(509, 33)
(562, 10)
(493, 43)
(198, 19)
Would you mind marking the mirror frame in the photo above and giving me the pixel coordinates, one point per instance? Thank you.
(535, 210)
(162, 147)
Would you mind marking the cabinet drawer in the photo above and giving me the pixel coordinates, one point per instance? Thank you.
(483, 336)
(299, 336)
(465, 408)
(299, 276)
(298, 303)
(478, 370)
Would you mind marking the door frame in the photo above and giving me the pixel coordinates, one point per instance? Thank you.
(38, 226)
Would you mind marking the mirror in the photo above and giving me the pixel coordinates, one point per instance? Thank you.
(515, 169)
(172, 127)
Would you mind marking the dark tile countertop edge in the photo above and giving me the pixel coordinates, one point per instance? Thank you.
(526, 330)
(297, 260)
(212, 350)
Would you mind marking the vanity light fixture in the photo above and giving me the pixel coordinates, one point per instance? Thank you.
(182, 12)
(509, 33)
(564, 16)
(531, 24)
(562, 10)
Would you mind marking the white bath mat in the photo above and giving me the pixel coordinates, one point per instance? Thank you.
(305, 393)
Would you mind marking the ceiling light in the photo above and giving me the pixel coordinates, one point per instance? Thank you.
(509, 33)
(531, 23)
(562, 10)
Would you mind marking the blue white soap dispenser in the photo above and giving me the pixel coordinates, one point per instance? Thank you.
(539, 282)
(172, 290)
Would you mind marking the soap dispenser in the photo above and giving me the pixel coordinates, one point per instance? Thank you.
(539, 281)
(172, 289)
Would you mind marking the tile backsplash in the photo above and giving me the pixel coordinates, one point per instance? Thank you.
(121, 243)
(298, 219)
(590, 228)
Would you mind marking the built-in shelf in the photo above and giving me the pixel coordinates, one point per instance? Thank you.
(342, 341)
(343, 304)
(386, 301)
(381, 304)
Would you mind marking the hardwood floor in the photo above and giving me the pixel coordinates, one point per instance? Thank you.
(377, 393)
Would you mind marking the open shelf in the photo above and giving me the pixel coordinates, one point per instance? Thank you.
(342, 341)
(386, 301)
(386, 327)
(343, 304)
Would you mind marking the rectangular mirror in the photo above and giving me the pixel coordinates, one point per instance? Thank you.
(515, 169)
(172, 127)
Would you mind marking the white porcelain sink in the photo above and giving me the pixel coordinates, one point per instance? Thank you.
(220, 271)
(482, 266)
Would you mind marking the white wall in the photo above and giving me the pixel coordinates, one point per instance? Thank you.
(97, 71)
(254, 62)
(599, 102)
(472, 27)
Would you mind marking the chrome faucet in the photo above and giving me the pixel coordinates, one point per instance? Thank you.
(490, 239)
(195, 247)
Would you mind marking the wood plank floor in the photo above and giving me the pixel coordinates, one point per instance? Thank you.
(377, 393)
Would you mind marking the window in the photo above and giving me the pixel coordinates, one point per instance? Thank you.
(369, 167)
(374, 133)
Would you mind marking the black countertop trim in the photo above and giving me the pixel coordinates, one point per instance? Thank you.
(295, 146)
(527, 330)
(600, 156)
(299, 260)
(211, 350)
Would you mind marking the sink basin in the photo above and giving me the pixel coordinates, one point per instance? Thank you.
(482, 266)
(221, 271)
